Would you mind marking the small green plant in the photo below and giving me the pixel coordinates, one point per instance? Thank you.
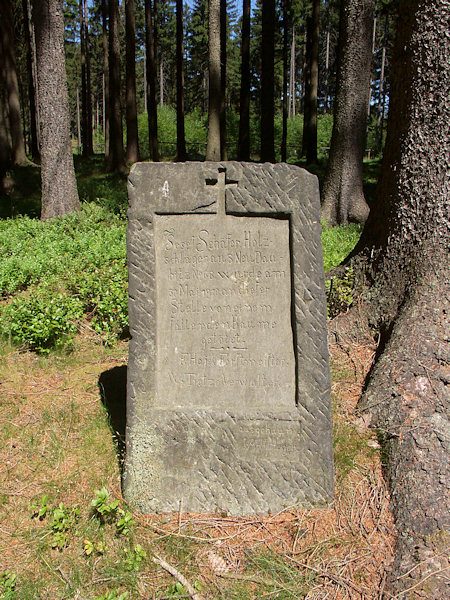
(93, 547)
(134, 557)
(40, 510)
(63, 522)
(103, 506)
(125, 521)
(7, 585)
(110, 511)
(340, 293)
(176, 588)
(113, 595)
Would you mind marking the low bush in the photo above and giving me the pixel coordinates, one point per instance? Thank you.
(61, 271)
(41, 318)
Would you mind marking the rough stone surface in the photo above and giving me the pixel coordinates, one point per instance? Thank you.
(228, 379)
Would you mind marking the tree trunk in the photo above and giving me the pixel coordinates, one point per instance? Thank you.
(5, 147)
(116, 159)
(161, 79)
(327, 66)
(78, 121)
(59, 188)
(342, 193)
(151, 82)
(267, 81)
(291, 111)
(19, 157)
(285, 75)
(309, 146)
(213, 142)
(223, 79)
(382, 95)
(105, 77)
(84, 98)
(32, 82)
(89, 121)
(132, 155)
(244, 104)
(181, 141)
(404, 252)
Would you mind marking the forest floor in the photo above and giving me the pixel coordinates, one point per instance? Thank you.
(58, 450)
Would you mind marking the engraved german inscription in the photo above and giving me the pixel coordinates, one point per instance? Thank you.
(223, 317)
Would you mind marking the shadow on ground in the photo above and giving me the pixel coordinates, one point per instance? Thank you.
(113, 390)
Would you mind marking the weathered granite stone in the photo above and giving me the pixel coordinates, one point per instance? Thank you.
(228, 379)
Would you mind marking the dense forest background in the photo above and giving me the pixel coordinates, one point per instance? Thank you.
(86, 30)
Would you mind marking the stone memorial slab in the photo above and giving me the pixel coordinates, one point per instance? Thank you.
(228, 381)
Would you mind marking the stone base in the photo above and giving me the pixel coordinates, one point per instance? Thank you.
(257, 462)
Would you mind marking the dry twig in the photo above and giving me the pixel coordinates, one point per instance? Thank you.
(178, 576)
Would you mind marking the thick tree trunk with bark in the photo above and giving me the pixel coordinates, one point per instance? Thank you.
(32, 81)
(404, 253)
(213, 141)
(309, 146)
(244, 104)
(132, 154)
(11, 84)
(151, 81)
(59, 188)
(105, 76)
(291, 108)
(5, 148)
(181, 140)
(342, 193)
(89, 123)
(267, 81)
(223, 79)
(285, 77)
(116, 158)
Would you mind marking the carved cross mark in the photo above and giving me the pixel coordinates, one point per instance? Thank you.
(222, 184)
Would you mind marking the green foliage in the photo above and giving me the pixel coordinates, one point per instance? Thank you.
(340, 293)
(63, 523)
(91, 547)
(40, 510)
(124, 522)
(338, 242)
(102, 504)
(60, 270)
(179, 590)
(110, 511)
(7, 585)
(42, 319)
(134, 557)
(114, 595)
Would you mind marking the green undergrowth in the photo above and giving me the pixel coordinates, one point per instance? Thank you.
(55, 274)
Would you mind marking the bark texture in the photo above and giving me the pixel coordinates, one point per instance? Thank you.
(59, 188)
(181, 139)
(116, 158)
(309, 148)
(132, 154)
(244, 104)
(151, 81)
(213, 141)
(11, 84)
(342, 193)
(105, 76)
(404, 253)
(267, 81)
(32, 81)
